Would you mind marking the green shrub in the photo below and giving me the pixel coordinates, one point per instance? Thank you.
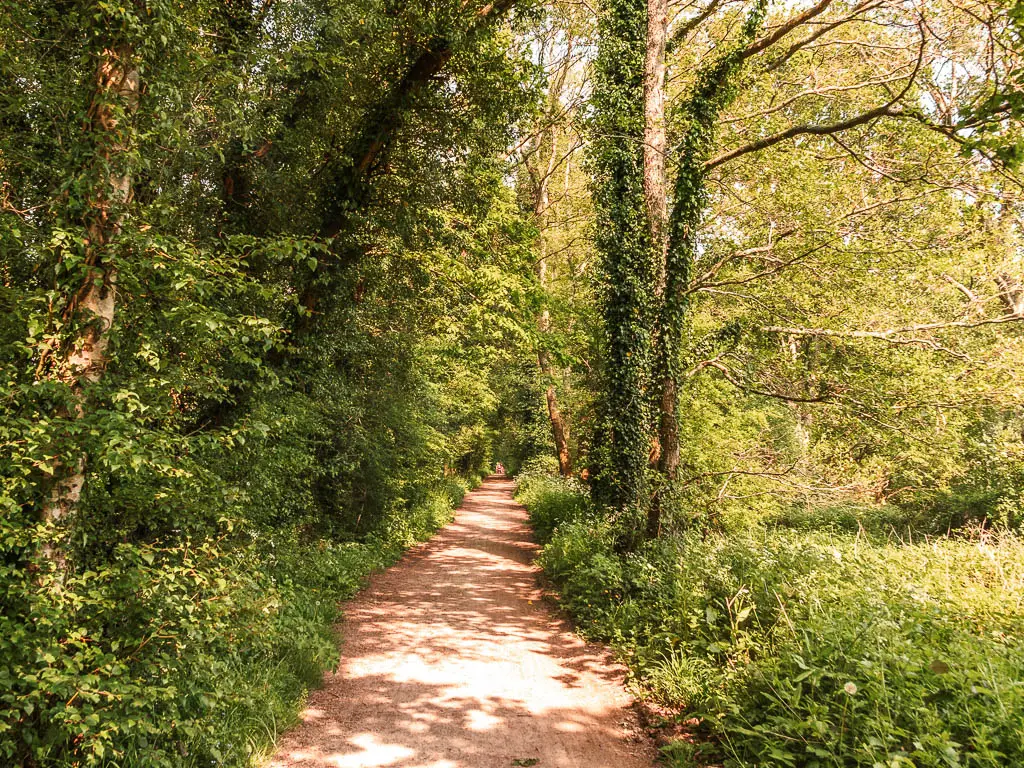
(844, 518)
(197, 653)
(550, 499)
(808, 648)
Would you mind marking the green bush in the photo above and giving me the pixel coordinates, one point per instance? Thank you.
(809, 648)
(196, 653)
(550, 499)
(844, 518)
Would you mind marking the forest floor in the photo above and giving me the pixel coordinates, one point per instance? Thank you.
(453, 659)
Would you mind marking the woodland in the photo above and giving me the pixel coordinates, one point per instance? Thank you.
(734, 288)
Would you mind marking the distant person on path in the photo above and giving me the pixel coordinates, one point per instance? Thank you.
(499, 468)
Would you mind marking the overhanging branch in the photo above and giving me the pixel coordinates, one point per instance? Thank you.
(885, 110)
(784, 29)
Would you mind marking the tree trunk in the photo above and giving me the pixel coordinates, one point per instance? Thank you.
(665, 450)
(1011, 293)
(654, 132)
(559, 425)
(114, 102)
(711, 94)
(541, 200)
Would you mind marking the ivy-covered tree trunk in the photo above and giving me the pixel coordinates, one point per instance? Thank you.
(714, 90)
(90, 293)
(628, 256)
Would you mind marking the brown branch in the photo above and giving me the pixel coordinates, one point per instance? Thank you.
(752, 473)
(1011, 293)
(889, 78)
(784, 29)
(865, 164)
(885, 110)
(711, 272)
(779, 266)
(951, 133)
(973, 302)
(889, 333)
(679, 35)
(801, 130)
(825, 29)
(384, 120)
(727, 374)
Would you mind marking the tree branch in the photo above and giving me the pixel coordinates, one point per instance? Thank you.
(784, 29)
(382, 121)
(825, 29)
(727, 374)
(679, 35)
(892, 334)
(801, 130)
(885, 110)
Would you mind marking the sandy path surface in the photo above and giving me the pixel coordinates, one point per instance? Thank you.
(452, 660)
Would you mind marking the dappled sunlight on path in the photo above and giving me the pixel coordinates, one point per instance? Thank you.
(452, 660)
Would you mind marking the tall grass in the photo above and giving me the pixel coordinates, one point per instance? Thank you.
(807, 647)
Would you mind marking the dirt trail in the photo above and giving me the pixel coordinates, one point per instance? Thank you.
(452, 660)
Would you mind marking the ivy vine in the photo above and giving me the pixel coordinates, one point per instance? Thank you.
(627, 254)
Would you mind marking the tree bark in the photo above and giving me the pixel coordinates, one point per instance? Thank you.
(540, 174)
(654, 132)
(1011, 293)
(666, 447)
(559, 425)
(114, 102)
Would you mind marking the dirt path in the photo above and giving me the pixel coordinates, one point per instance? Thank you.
(452, 660)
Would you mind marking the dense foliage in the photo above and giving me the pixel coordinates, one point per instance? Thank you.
(835, 319)
(817, 562)
(810, 648)
(258, 268)
(280, 280)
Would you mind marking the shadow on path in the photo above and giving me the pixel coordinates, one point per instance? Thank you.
(452, 660)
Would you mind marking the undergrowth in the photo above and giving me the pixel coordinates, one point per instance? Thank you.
(813, 648)
(191, 654)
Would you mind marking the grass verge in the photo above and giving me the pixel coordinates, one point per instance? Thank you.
(805, 648)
